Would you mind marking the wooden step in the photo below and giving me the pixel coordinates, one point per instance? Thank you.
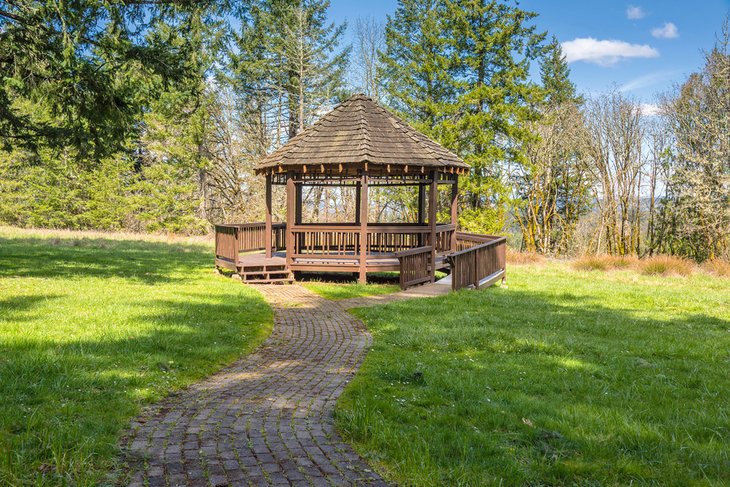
(260, 269)
(267, 277)
(259, 273)
(289, 280)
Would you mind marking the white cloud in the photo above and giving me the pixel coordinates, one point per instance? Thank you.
(650, 79)
(605, 52)
(667, 31)
(635, 13)
(650, 109)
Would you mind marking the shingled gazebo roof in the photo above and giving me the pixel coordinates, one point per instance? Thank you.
(358, 133)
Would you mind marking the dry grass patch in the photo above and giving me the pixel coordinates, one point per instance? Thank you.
(520, 258)
(717, 267)
(604, 262)
(665, 265)
(93, 238)
(660, 265)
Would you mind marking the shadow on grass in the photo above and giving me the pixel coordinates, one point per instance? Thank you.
(347, 278)
(520, 387)
(65, 398)
(64, 404)
(20, 308)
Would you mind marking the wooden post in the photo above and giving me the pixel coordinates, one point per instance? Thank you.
(290, 216)
(358, 206)
(421, 204)
(421, 211)
(432, 202)
(454, 210)
(299, 203)
(362, 278)
(476, 269)
(267, 237)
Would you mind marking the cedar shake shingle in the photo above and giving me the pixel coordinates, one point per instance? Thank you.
(356, 132)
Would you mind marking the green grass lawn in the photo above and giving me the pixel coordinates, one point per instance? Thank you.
(92, 329)
(344, 286)
(565, 378)
(342, 290)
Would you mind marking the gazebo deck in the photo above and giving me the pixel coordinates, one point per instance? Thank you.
(349, 262)
(401, 248)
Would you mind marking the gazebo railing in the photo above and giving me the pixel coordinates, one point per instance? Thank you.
(329, 241)
(332, 240)
(444, 234)
(226, 242)
(391, 239)
(466, 240)
(477, 259)
(397, 238)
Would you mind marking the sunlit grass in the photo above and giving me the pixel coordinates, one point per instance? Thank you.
(339, 290)
(92, 328)
(565, 378)
(344, 286)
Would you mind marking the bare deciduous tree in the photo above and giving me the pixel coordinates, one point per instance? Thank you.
(616, 137)
(235, 142)
(697, 222)
(657, 175)
(369, 42)
(554, 182)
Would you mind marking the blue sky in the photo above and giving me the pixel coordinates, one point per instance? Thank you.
(640, 47)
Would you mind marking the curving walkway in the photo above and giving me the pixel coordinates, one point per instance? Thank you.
(267, 419)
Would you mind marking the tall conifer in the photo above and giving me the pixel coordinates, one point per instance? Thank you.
(460, 70)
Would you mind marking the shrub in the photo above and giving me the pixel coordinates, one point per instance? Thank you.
(664, 265)
(717, 267)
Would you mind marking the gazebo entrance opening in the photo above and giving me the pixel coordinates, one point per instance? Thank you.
(361, 245)
(360, 147)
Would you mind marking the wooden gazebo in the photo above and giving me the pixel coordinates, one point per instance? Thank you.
(361, 144)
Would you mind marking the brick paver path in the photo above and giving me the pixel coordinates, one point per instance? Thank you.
(267, 419)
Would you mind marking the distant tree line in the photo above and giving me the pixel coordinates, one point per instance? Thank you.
(150, 115)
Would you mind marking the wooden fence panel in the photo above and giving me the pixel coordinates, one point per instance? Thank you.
(393, 238)
(443, 238)
(231, 239)
(415, 266)
(251, 237)
(338, 240)
(226, 242)
(278, 236)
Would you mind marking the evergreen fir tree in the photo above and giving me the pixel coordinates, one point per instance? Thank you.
(78, 74)
(417, 67)
(459, 70)
(173, 156)
(555, 77)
